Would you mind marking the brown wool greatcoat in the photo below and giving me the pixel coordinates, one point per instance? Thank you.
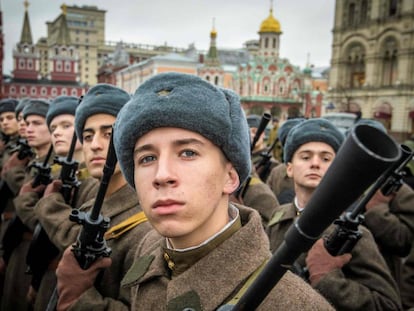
(87, 190)
(365, 283)
(107, 295)
(407, 282)
(259, 197)
(17, 282)
(215, 278)
(392, 226)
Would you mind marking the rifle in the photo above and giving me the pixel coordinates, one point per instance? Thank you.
(375, 152)
(262, 126)
(43, 171)
(263, 167)
(91, 244)
(346, 234)
(42, 251)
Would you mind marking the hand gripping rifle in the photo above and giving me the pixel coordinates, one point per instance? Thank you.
(91, 243)
(262, 126)
(346, 234)
(43, 170)
(343, 184)
(42, 251)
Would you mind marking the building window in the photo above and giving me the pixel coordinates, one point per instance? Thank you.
(216, 80)
(208, 78)
(12, 90)
(274, 43)
(356, 66)
(54, 92)
(21, 64)
(74, 92)
(364, 11)
(266, 43)
(33, 91)
(43, 91)
(29, 64)
(23, 90)
(67, 66)
(390, 62)
(351, 14)
(59, 66)
(392, 7)
(64, 91)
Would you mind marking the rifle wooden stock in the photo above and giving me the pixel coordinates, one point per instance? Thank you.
(363, 157)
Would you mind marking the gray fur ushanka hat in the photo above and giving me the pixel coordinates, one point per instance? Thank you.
(188, 102)
(8, 105)
(61, 105)
(312, 130)
(102, 98)
(37, 107)
(22, 103)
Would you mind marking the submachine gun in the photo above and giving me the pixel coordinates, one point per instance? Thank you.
(42, 251)
(262, 126)
(342, 185)
(346, 234)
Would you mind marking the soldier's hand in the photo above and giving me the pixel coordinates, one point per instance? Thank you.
(27, 187)
(53, 187)
(320, 262)
(378, 198)
(13, 161)
(73, 281)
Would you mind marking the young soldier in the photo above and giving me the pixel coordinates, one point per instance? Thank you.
(390, 218)
(94, 119)
(60, 119)
(356, 281)
(280, 183)
(184, 145)
(16, 280)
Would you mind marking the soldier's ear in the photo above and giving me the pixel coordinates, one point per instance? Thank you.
(289, 169)
(232, 182)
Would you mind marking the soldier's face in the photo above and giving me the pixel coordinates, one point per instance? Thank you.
(183, 182)
(96, 138)
(62, 129)
(309, 164)
(37, 132)
(21, 125)
(8, 123)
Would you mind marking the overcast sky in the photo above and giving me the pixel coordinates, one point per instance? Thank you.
(306, 25)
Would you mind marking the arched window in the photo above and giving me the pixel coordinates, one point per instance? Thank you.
(356, 65)
(266, 43)
(390, 62)
(216, 80)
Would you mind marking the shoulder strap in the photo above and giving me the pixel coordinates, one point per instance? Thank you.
(247, 284)
(129, 223)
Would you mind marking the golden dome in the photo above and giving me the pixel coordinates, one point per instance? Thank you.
(270, 24)
(213, 33)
